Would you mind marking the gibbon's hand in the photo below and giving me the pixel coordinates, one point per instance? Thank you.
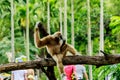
(40, 27)
(37, 26)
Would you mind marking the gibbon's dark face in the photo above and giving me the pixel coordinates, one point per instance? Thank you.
(57, 36)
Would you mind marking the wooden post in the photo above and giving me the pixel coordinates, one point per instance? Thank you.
(89, 38)
(72, 22)
(12, 31)
(60, 9)
(27, 30)
(48, 16)
(65, 19)
(101, 27)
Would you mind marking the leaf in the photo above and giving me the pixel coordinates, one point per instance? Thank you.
(115, 21)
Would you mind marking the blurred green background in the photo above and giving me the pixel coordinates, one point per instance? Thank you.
(38, 12)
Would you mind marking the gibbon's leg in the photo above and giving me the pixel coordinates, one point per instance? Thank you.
(63, 49)
(67, 47)
(58, 59)
(71, 49)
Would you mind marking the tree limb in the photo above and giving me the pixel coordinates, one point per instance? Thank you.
(90, 60)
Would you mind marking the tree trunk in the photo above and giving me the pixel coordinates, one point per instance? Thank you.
(65, 19)
(101, 27)
(89, 38)
(90, 60)
(48, 16)
(27, 30)
(60, 9)
(12, 32)
(72, 24)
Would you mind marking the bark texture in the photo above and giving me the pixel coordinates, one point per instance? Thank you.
(90, 60)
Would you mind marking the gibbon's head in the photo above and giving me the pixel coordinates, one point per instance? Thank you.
(57, 36)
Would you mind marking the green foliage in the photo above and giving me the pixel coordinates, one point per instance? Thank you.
(115, 28)
(38, 12)
(116, 73)
(115, 24)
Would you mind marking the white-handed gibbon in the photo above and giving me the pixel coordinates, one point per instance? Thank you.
(55, 45)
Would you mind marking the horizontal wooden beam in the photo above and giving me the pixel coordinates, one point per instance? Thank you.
(90, 60)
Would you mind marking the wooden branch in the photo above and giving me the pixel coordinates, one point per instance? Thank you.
(105, 54)
(90, 60)
(27, 65)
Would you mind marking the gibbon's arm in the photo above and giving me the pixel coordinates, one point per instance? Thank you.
(40, 42)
